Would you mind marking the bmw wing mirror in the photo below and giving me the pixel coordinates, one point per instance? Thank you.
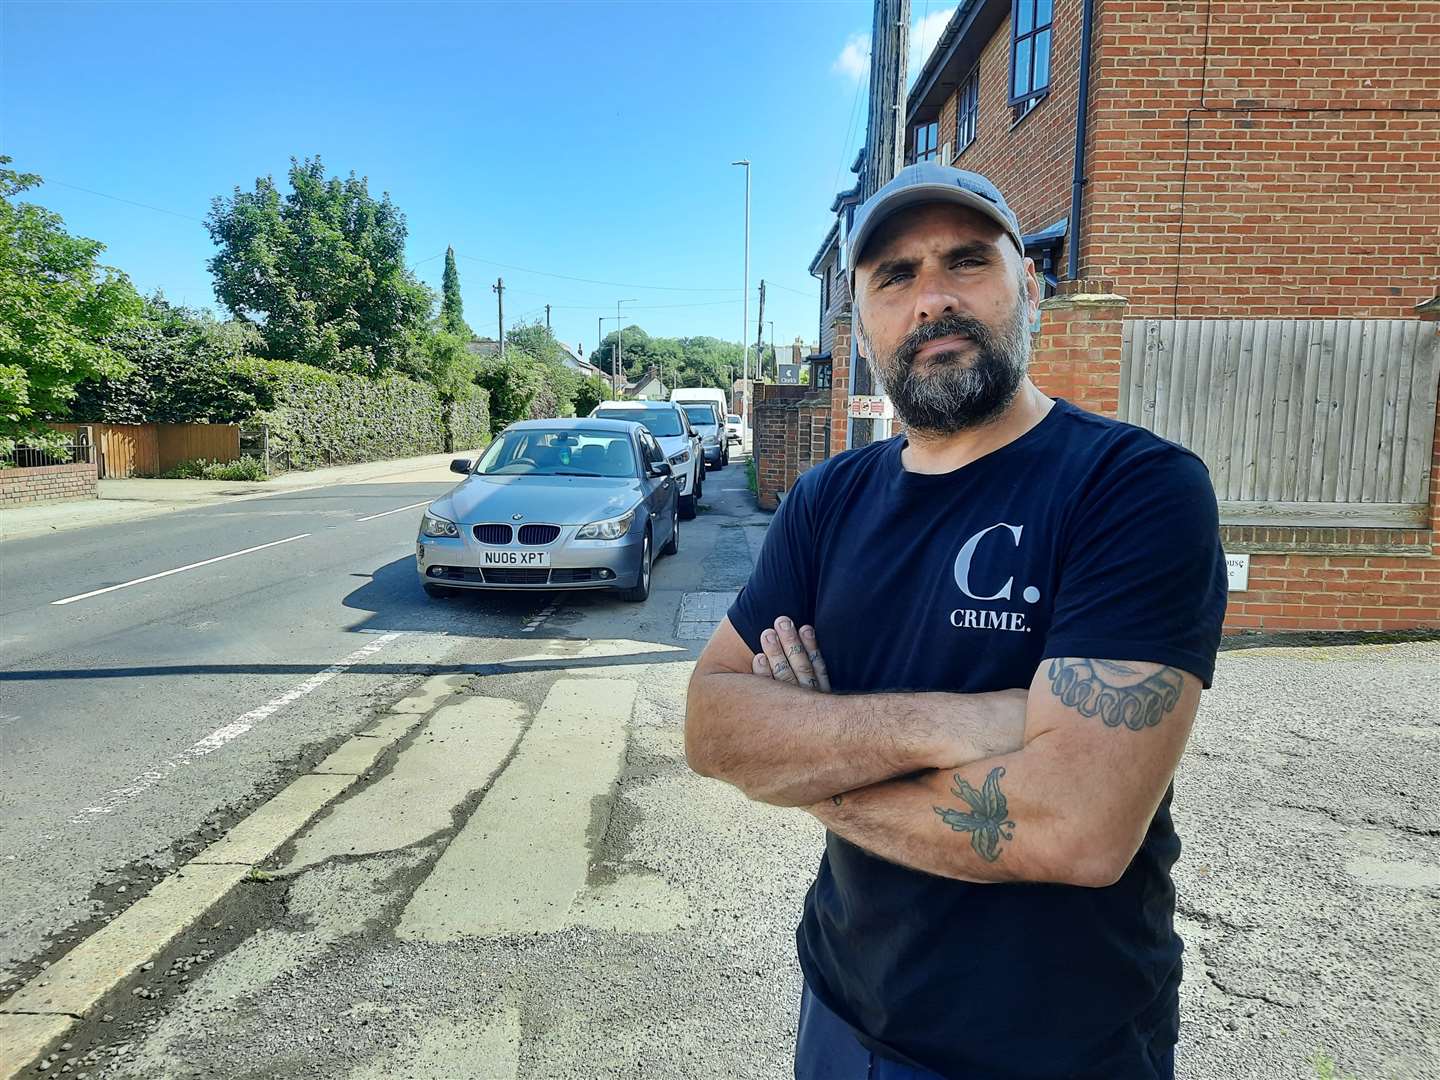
(460, 465)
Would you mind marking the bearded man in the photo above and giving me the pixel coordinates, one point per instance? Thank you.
(1019, 604)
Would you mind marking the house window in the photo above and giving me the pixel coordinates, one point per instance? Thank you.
(967, 111)
(927, 143)
(1030, 29)
(824, 291)
(821, 374)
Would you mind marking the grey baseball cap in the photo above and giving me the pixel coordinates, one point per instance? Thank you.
(927, 182)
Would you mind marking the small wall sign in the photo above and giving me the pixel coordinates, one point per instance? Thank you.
(877, 407)
(1237, 572)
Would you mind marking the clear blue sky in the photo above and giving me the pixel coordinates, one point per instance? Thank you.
(592, 140)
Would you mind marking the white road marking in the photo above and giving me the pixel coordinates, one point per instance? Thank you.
(533, 623)
(397, 510)
(229, 733)
(177, 570)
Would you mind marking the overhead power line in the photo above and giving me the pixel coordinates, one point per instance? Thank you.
(131, 202)
(589, 281)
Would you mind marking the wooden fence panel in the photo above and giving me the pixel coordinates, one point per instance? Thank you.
(1300, 421)
(193, 442)
(123, 450)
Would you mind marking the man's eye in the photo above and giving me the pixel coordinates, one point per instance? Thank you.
(893, 279)
(968, 264)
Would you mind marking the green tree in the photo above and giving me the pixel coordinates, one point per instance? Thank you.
(514, 382)
(536, 339)
(320, 271)
(589, 394)
(58, 306)
(182, 371)
(452, 309)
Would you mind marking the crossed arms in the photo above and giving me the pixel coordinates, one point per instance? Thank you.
(1056, 785)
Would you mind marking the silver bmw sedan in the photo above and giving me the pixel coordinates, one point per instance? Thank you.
(554, 504)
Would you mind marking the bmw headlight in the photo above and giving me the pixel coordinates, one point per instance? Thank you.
(612, 529)
(680, 458)
(438, 526)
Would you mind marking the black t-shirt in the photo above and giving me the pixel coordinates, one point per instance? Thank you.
(1084, 537)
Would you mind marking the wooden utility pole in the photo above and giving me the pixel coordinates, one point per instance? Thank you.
(885, 128)
(760, 331)
(499, 290)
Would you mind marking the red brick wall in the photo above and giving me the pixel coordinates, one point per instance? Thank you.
(1030, 161)
(840, 382)
(47, 483)
(1251, 158)
(1246, 158)
(1077, 354)
(792, 431)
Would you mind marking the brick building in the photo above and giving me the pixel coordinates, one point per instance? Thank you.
(1239, 232)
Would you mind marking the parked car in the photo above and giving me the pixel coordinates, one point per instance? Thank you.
(671, 427)
(706, 420)
(554, 504)
(734, 428)
(708, 394)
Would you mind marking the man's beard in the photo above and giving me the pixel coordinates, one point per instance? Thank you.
(952, 395)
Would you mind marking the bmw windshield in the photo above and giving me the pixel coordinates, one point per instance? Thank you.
(538, 452)
(663, 423)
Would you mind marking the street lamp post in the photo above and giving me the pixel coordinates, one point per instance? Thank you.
(745, 315)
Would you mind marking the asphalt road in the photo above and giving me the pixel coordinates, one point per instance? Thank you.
(106, 702)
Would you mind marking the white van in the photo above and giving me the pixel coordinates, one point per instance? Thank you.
(718, 454)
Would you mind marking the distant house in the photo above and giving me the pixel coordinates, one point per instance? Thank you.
(483, 346)
(575, 359)
(647, 388)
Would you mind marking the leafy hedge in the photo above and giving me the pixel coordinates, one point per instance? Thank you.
(467, 420)
(322, 418)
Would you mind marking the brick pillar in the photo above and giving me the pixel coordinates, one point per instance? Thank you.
(1077, 353)
(840, 383)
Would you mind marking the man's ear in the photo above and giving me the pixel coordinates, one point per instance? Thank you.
(862, 347)
(1033, 294)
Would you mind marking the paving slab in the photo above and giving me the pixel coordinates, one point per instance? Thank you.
(701, 612)
(432, 691)
(24, 1037)
(460, 748)
(353, 757)
(77, 981)
(523, 857)
(256, 838)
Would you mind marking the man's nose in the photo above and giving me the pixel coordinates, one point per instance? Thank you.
(935, 298)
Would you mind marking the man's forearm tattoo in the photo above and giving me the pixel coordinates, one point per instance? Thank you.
(985, 821)
(1116, 692)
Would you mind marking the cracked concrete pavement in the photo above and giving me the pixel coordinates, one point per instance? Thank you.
(657, 939)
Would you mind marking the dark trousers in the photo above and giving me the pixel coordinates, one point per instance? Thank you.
(826, 1049)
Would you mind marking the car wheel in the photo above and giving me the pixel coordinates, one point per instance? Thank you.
(687, 507)
(641, 592)
(439, 592)
(700, 487)
(672, 546)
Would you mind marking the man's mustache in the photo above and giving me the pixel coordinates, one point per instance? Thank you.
(950, 326)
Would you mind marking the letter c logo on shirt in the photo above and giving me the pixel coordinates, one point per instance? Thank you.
(967, 553)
